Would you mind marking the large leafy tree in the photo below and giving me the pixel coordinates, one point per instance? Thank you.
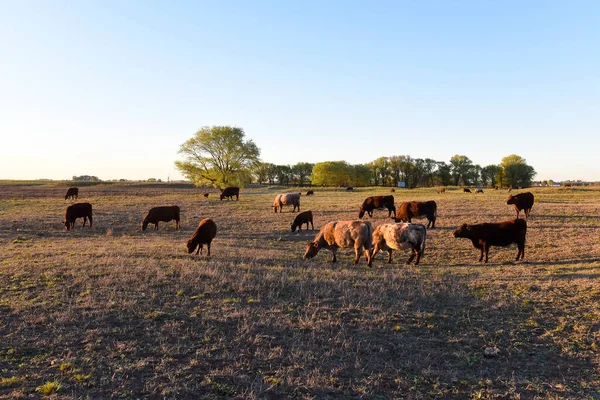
(218, 156)
(461, 167)
(516, 170)
(302, 171)
(332, 173)
(489, 174)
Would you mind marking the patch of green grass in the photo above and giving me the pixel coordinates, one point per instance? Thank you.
(49, 388)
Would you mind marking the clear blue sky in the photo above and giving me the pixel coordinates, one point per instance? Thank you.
(112, 88)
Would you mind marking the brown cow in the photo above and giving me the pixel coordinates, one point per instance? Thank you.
(400, 236)
(204, 234)
(345, 234)
(73, 193)
(164, 214)
(205, 195)
(521, 201)
(77, 210)
(495, 234)
(392, 190)
(466, 190)
(229, 192)
(303, 218)
(417, 209)
(442, 190)
(349, 189)
(377, 203)
(478, 190)
(310, 193)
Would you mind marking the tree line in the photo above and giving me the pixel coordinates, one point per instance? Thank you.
(219, 156)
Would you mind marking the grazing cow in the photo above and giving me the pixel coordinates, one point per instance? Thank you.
(521, 201)
(496, 187)
(495, 234)
(392, 190)
(345, 234)
(286, 199)
(478, 190)
(303, 218)
(567, 185)
(377, 203)
(349, 189)
(442, 190)
(417, 209)
(164, 214)
(73, 193)
(466, 190)
(310, 193)
(398, 237)
(229, 192)
(77, 210)
(204, 234)
(205, 195)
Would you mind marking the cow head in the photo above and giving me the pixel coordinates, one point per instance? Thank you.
(191, 246)
(293, 226)
(511, 200)
(144, 225)
(312, 248)
(361, 213)
(462, 231)
(67, 224)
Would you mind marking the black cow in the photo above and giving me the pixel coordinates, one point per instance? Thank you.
(377, 202)
(495, 234)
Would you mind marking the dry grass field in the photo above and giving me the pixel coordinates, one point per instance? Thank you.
(114, 312)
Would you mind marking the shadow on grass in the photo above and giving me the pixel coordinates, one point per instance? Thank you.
(274, 337)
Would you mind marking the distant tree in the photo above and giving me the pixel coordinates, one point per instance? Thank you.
(86, 178)
(382, 170)
(489, 174)
(550, 182)
(429, 168)
(517, 172)
(151, 179)
(284, 174)
(271, 173)
(418, 172)
(260, 172)
(406, 165)
(461, 167)
(361, 175)
(332, 173)
(218, 156)
(302, 171)
(444, 172)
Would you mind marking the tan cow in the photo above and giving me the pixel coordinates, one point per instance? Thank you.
(400, 236)
(345, 234)
(286, 199)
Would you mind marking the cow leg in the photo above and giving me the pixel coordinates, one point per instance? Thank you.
(177, 224)
(334, 259)
(198, 249)
(487, 249)
(208, 247)
(90, 217)
(376, 249)
(156, 226)
(369, 256)
(357, 255)
(390, 255)
(481, 256)
(521, 252)
(84, 221)
(418, 252)
(312, 226)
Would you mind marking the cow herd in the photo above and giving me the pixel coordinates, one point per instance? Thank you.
(359, 235)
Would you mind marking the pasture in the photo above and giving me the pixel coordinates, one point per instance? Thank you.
(114, 312)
